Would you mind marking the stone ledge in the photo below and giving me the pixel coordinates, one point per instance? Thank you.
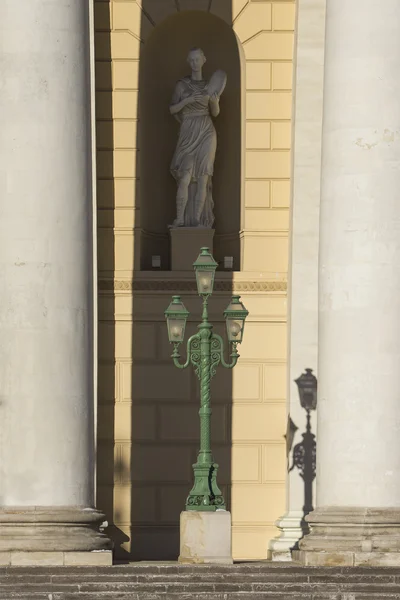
(102, 558)
(351, 536)
(347, 559)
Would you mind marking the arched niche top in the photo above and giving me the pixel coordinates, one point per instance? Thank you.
(162, 64)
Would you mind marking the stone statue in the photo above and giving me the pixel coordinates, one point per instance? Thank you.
(194, 102)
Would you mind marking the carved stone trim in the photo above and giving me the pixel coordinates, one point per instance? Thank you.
(52, 529)
(351, 536)
(109, 285)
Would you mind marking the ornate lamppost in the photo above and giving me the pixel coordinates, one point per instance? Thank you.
(205, 351)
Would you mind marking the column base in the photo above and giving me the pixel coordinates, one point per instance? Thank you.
(351, 536)
(206, 537)
(280, 548)
(52, 530)
(97, 558)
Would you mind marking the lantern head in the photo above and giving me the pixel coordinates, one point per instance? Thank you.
(235, 316)
(205, 267)
(176, 315)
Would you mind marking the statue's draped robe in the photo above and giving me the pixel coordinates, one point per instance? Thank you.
(196, 147)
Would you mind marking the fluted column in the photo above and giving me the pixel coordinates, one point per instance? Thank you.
(46, 286)
(357, 519)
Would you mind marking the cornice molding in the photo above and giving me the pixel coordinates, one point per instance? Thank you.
(158, 285)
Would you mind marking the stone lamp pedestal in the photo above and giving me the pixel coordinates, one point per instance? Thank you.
(206, 537)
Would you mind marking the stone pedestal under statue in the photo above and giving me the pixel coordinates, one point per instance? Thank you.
(185, 246)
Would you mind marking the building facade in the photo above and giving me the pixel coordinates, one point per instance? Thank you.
(93, 411)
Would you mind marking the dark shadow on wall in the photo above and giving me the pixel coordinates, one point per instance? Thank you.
(165, 400)
(108, 469)
(304, 453)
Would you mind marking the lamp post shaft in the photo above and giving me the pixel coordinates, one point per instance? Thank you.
(205, 494)
(205, 455)
(205, 332)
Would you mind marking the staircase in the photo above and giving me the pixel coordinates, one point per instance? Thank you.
(171, 581)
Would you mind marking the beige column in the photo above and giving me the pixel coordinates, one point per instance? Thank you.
(47, 455)
(357, 519)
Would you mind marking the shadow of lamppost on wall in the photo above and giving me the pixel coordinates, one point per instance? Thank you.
(305, 452)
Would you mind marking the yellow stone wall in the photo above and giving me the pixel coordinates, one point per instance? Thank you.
(147, 417)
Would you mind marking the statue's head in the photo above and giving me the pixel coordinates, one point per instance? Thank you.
(196, 59)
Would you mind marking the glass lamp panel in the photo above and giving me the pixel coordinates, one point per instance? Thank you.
(176, 329)
(205, 281)
(235, 316)
(234, 328)
(176, 315)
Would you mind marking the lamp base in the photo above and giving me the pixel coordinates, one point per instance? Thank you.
(205, 494)
(206, 537)
(185, 246)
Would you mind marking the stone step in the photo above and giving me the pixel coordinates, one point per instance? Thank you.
(255, 581)
(176, 569)
(206, 581)
(63, 575)
(194, 596)
(304, 595)
(175, 588)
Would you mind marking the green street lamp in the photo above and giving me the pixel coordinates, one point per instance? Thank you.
(205, 351)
